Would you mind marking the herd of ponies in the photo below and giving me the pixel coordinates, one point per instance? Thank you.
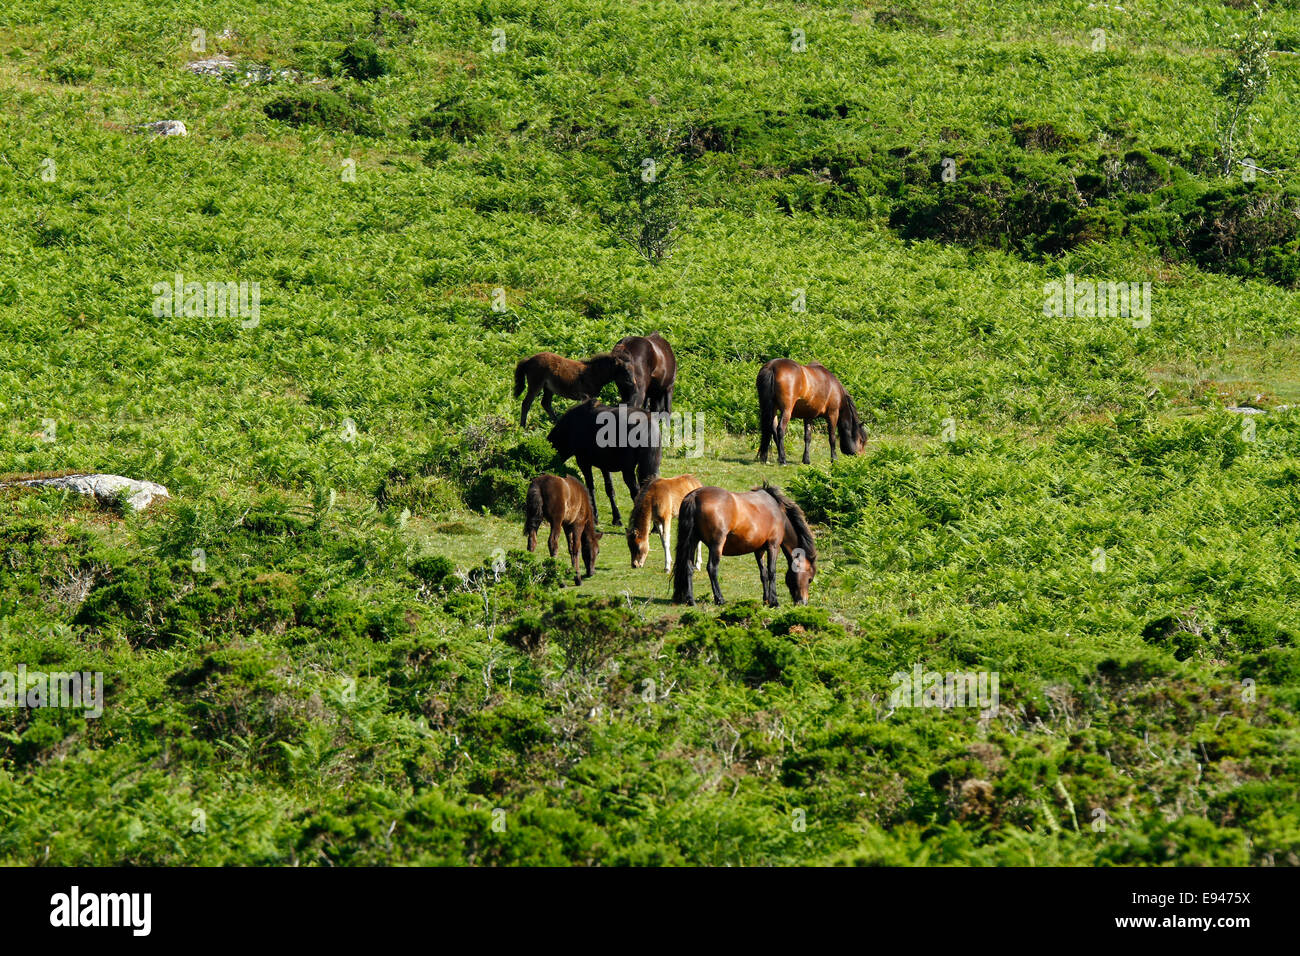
(761, 521)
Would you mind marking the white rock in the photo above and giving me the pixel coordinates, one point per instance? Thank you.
(104, 487)
(166, 128)
(212, 66)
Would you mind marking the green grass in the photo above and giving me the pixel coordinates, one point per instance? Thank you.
(318, 689)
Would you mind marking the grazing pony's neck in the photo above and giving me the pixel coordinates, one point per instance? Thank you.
(849, 422)
(589, 540)
(642, 512)
(596, 371)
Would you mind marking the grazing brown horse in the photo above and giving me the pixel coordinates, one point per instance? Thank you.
(788, 390)
(565, 504)
(647, 372)
(618, 438)
(757, 522)
(657, 504)
(552, 374)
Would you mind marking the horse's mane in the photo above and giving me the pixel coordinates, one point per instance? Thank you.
(596, 372)
(850, 422)
(639, 523)
(803, 534)
(851, 410)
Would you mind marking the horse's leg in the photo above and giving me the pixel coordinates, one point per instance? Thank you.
(571, 532)
(807, 440)
(609, 490)
(554, 541)
(666, 537)
(699, 555)
(781, 428)
(528, 403)
(771, 570)
(546, 403)
(591, 489)
(715, 559)
(762, 577)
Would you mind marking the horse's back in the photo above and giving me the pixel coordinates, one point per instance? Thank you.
(550, 491)
(545, 360)
(652, 351)
(812, 389)
(577, 503)
(742, 522)
(664, 349)
(669, 493)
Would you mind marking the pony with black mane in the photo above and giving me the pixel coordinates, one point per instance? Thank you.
(549, 374)
(647, 372)
(758, 522)
(788, 390)
(563, 503)
(613, 439)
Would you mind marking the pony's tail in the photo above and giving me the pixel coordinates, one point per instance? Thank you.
(533, 513)
(521, 377)
(766, 403)
(688, 536)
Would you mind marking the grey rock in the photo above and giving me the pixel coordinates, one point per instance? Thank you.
(165, 128)
(212, 66)
(140, 494)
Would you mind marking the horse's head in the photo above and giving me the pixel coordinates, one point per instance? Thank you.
(631, 389)
(853, 434)
(853, 440)
(563, 434)
(639, 546)
(803, 568)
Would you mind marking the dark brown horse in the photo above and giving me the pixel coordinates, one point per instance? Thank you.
(757, 522)
(788, 390)
(565, 504)
(552, 374)
(612, 439)
(647, 372)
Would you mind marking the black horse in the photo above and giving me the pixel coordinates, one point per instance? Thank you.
(611, 438)
(646, 372)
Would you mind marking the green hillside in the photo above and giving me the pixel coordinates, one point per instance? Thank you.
(327, 647)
